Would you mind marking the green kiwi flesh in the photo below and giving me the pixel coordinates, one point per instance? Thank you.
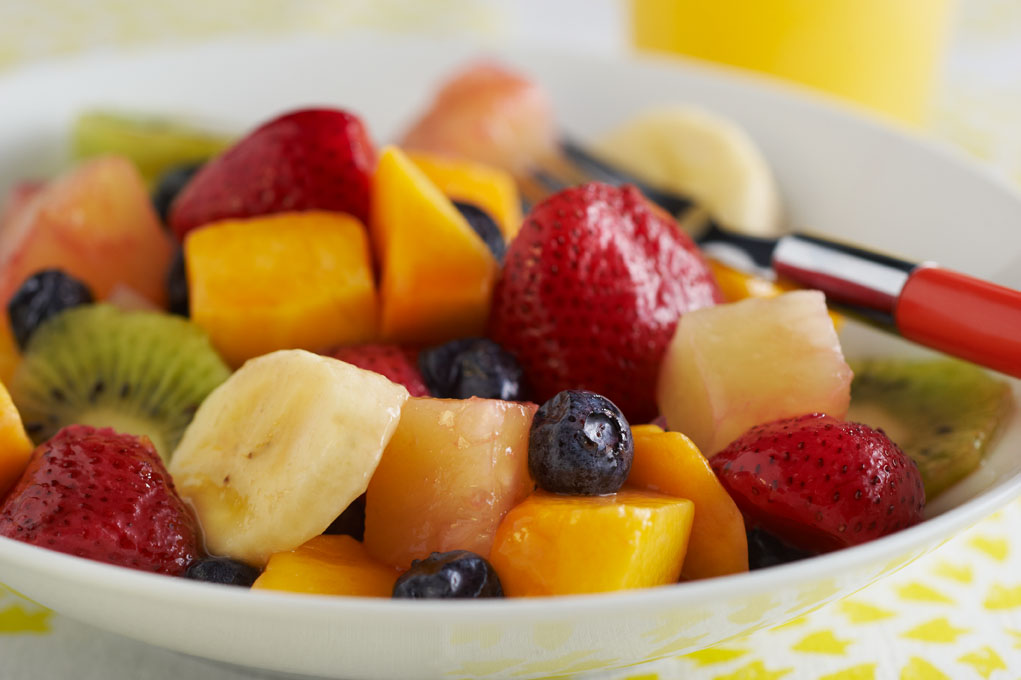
(942, 412)
(141, 373)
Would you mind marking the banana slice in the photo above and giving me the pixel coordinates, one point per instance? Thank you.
(701, 155)
(281, 448)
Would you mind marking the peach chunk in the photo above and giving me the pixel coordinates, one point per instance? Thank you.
(284, 281)
(96, 223)
(453, 468)
(15, 446)
(436, 273)
(560, 545)
(737, 365)
(488, 114)
(485, 186)
(670, 463)
(328, 565)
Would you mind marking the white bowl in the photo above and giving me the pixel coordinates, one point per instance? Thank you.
(840, 174)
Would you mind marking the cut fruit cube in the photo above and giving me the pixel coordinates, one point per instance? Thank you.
(10, 357)
(561, 545)
(328, 565)
(485, 186)
(670, 463)
(436, 274)
(97, 224)
(734, 366)
(152, 143)
(284, 281)
(15, 446)
(279, 450)
(453, 468)
(738, 285)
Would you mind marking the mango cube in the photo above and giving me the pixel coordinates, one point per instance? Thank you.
(328, 565)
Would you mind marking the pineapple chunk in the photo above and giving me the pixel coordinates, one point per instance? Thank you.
(734, 366)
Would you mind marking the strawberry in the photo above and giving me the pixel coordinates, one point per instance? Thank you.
(398, 364)
(104, 496)
(591, 292)
(819, 483)
(313, 159)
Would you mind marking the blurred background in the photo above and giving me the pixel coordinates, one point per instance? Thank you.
(952, 68)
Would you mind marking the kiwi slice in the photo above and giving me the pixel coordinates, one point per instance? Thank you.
(153, 144)
(141, 373)
(942, 412)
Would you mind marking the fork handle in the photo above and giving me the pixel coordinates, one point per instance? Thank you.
(964, 316)
(951, 312)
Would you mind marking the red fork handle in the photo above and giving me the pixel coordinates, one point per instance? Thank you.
(963, 316)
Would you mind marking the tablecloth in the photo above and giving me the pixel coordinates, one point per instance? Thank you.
(955, 613)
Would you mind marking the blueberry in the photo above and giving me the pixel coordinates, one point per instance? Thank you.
(454, 574)
(352, 521)
(41, 296)
(169, 185)
(177, 285)
(485, 226)
(222, 570)
(471, 367)
(581, 444)
(766, 550)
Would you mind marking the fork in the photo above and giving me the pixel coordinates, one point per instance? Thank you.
(954, 313)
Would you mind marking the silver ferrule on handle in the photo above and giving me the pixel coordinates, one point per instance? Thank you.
(862, 282)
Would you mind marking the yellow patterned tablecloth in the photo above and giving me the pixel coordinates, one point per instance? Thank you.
(955, 614)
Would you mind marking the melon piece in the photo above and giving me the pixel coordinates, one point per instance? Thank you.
(737, 365)
(436, 273)
(300, 280)
(670, 463)
(97, 224)
(562, 545)
(482, 185)
(453, 468)
(328, 565)
(489, 114)
(15, 446)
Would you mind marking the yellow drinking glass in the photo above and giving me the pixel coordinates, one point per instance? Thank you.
(882, 54)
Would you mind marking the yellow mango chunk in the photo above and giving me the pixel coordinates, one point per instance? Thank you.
(328, 565)
(299, 280)
(670, 463)
(9, 355)
(436, 274)
(488, 187)
(559, 545)
(15, 446)
(738, 285)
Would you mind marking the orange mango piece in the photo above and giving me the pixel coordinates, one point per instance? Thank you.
(451, 471)
(559, 545)
(436, 274)
(15, 446)
(488, 187)
(738, 285)
(300, 280)
(328, 565)
(670, 463)
(9, 355)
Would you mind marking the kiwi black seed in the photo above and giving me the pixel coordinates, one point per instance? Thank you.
(942, 412)
(141, 373)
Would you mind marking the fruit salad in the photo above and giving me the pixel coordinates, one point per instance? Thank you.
(296, 360)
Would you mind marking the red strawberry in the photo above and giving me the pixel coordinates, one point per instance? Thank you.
(313, 159)
(104, 496)
(591, 291)
(819, 483)
(396, 363)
